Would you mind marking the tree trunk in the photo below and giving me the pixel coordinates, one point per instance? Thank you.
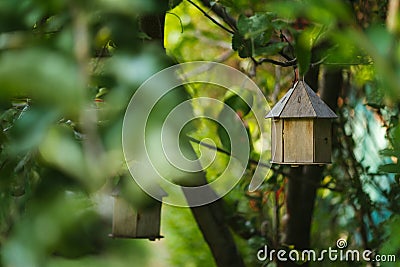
(209, 218)
(212, 224)
(303, 181)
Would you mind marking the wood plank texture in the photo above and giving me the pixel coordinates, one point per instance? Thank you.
(322, 141)
(276, 111)
(301, 102)
(321, 109)
(148, 225)
(298, 105)
(124, 219)
(298, 141)
(277, 141)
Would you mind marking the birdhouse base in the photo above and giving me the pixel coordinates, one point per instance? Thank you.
(132, 223)
(138, 237)
(297, 164)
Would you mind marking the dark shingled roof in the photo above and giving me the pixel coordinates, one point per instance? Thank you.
(301, 102)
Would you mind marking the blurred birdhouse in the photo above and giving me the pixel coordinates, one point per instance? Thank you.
(129, 222)
(301, 128)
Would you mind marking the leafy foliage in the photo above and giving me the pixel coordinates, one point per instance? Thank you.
(254, 36)
(56, 175)
(361, 187)
(68, 68)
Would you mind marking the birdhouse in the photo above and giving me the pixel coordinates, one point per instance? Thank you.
(301, 128)
(129, 222)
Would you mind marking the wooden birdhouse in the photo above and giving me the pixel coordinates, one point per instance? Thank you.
(129, 222)
(301, 128)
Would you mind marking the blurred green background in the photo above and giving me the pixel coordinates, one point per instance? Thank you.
(69, 68)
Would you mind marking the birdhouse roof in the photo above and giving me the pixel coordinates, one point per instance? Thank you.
(301, 102)
(156, 191)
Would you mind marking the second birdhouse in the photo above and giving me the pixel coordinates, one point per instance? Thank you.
(131, 222)
(301, 128)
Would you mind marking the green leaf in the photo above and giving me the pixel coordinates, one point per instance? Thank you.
(258, 27)
(31, 128)
(305, 40)
(392, 242)
(242, 106)
(131, 7)
(239, 104)
(394, 136)
(60, 149)
(390, 168)
(269, 50)
(279, 24)
(44, 76)
(303, 51)
(224, 137)
(253, 32)
(174, 3)
(227, 3)
(387, 152)
(243, 46)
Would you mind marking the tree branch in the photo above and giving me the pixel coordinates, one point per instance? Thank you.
(209, 218)
(220, 11)
(289, 63)
(266, 165)
(210, 18)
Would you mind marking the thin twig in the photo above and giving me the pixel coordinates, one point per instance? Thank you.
(263, 164)
(348, 64)
(289, 63)
(175, 15)
(277, 86)
(319, 62)
(223, 151)
(220, 11)
(284, 38)
(210, 18)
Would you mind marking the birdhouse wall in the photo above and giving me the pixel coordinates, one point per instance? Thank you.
(276, 136)
(322, 140)
(124, 219)
(129, 223)
(148, 222)
(301, 141)
(298, 145)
